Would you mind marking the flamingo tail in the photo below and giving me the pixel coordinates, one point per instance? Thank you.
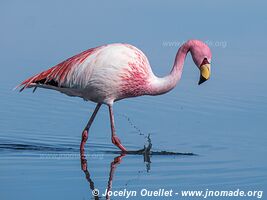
(47, 77)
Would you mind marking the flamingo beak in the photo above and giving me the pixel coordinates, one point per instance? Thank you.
(204, 73)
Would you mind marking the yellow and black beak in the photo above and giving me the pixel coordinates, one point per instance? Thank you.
(204, 73)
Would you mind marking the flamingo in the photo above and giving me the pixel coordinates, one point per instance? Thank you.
(113, 72)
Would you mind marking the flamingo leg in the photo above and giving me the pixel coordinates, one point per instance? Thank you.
(87, 127)
(114, 138)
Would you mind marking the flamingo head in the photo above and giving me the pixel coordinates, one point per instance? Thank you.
(201, 55)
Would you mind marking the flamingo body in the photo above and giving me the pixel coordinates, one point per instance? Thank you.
(103, 74)
(108, 73)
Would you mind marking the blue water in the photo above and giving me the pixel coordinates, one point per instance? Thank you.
(223, 121)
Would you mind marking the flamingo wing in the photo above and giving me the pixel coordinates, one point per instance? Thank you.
(57, 76)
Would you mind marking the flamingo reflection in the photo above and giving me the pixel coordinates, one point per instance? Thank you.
(145, 152)
(113, 165)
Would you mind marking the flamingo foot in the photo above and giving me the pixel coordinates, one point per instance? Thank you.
(83, 141)
(117, 142)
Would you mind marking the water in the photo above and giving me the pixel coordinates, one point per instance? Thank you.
(222, 122)
(40, 135)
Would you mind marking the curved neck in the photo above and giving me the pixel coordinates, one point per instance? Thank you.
(167, 83)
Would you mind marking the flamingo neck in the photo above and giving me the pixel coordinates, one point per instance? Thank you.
(167, 83)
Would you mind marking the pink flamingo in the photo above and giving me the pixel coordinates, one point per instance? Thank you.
(109, 73)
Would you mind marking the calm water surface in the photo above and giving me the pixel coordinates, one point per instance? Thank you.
(40, 135)
(222, 121)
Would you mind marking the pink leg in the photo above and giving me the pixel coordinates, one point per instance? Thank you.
(115, 140)
(86, 129)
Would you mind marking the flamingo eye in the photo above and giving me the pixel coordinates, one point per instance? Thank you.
(205, 61)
